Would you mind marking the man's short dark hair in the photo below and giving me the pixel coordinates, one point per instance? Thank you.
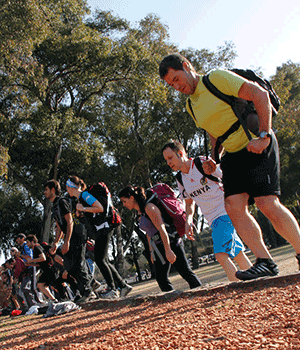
(174, 60)
(20, 235)
(53, 184)
(175, 146)
(32, 238)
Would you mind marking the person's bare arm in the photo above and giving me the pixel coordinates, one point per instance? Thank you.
(67, 238)
(96, 207)
(35, 261)
(207, 170)
(155, 216)
(260, 98)
(58, 236)
(189, 210)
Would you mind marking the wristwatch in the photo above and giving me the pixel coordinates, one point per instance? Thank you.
(264, 134)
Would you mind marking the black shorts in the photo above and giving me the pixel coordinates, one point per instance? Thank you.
(255, 174)
(47, 277)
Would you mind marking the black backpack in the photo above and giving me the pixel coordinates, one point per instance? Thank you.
(199, 166)
(249, 75)
(101, 192)
(240, 107)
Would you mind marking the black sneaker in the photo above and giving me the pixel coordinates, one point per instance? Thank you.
(261, 268)
(298, 259)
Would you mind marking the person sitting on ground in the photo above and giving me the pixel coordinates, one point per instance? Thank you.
(10, 263)
(5, 291)
(166, 246)
(18, 270)
(209, 196)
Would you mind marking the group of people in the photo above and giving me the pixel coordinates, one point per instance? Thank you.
(34, 276)
(248, 173)
(250, 168)
(77, 215)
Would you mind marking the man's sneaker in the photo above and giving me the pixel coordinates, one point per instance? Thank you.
(298, 259)
(261, 268)
(101, 288)
(110, 294)
(126, 290)
(87, 298)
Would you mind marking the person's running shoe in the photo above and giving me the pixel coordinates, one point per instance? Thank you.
(86, 298)
(110, 294)
(95, 285)
(261, 268)
(298, 259)
(101, 289)
(125, 290)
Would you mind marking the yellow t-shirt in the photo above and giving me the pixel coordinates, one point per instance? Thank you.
(214, 115)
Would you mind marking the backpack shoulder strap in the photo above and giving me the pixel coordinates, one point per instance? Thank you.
(199, 166)
(231, 100)
(179, 177)
(191, 108)
(216, 92)
(205, 134)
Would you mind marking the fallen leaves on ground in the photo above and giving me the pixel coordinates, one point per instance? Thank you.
(252, 317)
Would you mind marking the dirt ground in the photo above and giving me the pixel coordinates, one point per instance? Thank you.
(262, 314)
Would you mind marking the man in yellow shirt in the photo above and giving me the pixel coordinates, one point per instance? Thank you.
(250, 168)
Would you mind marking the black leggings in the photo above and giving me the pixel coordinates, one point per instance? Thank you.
(109, 272)
(181, 264)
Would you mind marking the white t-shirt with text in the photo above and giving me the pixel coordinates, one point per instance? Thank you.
(207, 194)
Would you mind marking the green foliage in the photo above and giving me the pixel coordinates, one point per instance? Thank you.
(287, 125)
(19, 213)
(84, 97)
(204, 60)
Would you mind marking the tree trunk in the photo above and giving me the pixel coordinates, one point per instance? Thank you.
(120, 252)
(135, 260)
(47, 222)
(146, 251)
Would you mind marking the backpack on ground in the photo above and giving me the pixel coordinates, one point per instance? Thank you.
(169, 201)
(241, 108)
(199, 166)
(101, 192)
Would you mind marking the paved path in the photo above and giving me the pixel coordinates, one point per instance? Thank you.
(213, 274)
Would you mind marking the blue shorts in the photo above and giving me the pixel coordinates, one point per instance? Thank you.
(225, 238)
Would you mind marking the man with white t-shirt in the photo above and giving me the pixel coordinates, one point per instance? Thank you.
(207, 192)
